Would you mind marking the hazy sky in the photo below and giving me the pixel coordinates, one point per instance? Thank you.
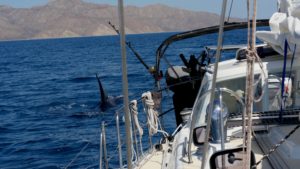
(265, 7)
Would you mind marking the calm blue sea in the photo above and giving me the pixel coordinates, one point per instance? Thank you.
(49, 95)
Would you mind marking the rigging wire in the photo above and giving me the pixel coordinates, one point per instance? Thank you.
(213, 86)
(77, 155)
(229, 13)
(138, 56)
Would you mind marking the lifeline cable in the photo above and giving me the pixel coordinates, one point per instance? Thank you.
(273, 148)
(77, 155)
(138, 56)
(230, 10)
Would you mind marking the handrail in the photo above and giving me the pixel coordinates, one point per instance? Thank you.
(104, 160)
(101, 151)
(228, 26)
(119, 141)
(104, 145)
(135, 142)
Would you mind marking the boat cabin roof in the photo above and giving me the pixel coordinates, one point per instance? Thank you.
(263, 50)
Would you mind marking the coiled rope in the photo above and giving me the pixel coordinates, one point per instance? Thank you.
(134, 113)
(152, 115)
(133, 110)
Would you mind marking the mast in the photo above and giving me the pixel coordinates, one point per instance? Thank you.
(212, 94)
(125, 82)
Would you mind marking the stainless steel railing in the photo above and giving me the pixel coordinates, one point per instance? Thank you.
(137, 145)
(119, 140)
(103, 148)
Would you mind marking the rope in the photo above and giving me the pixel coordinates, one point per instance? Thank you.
(78, 154)
(251, 56)
(254, 56)
(248, 18)
(134, 112)
(152, 115)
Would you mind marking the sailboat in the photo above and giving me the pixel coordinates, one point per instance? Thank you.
(238, 113)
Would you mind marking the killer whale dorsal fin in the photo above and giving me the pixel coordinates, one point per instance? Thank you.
(103, 93)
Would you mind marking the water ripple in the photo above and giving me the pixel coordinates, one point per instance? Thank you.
(49, 96)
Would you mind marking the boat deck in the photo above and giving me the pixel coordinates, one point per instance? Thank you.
(155, 159)
(152, 161)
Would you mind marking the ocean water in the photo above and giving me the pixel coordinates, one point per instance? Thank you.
(49, 115)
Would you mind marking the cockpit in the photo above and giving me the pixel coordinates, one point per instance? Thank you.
(269, 92)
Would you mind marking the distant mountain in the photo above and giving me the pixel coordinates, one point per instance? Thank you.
(72, 18)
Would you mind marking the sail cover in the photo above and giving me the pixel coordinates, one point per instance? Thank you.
(284, 25)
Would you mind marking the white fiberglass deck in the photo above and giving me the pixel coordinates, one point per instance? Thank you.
(154, 161)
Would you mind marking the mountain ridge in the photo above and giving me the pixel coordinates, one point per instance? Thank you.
(76, 18)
